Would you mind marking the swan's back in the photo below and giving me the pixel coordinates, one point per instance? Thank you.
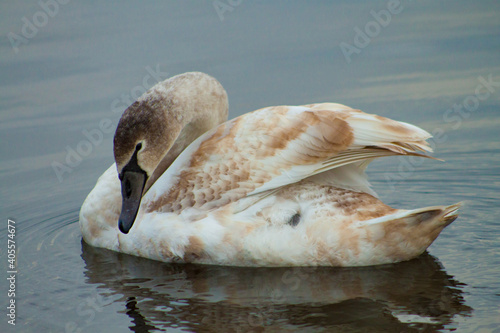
(272, 147)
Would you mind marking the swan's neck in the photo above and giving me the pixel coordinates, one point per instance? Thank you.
(186, 136)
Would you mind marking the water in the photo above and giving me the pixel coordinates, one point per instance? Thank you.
(65, 88)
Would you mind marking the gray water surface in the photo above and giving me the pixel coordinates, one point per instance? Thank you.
(65, 83)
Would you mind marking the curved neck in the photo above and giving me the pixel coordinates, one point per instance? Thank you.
(187, 135)
(167, 119)
(195, 103)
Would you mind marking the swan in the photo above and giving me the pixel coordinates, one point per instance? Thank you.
(279, 186)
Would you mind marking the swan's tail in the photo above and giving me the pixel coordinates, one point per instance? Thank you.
(408, 233)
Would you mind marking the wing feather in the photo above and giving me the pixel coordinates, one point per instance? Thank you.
(273, 147)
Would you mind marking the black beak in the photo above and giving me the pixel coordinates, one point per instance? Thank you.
(132, 187)
(133, 180)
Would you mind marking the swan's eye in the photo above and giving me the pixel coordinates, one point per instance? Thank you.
(138, 147)
(294, 220)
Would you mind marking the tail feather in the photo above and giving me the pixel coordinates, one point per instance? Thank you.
(445, 215)
(451, 213)
(440, 215)
(407, 233)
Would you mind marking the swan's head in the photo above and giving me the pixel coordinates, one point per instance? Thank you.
(138, 143)
(154, 130)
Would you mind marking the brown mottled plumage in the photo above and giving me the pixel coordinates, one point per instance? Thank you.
(280, 186)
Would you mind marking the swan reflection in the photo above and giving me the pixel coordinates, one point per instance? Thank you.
(409, 296)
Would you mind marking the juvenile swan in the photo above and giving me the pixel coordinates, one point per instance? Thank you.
(280, 186)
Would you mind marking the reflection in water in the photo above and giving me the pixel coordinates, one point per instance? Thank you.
(139, 322)
(408, 296)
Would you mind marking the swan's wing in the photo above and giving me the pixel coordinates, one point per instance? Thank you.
(272, 147)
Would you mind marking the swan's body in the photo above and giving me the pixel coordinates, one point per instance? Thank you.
(280, 186)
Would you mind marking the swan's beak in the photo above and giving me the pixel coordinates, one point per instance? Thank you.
(132, 187)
